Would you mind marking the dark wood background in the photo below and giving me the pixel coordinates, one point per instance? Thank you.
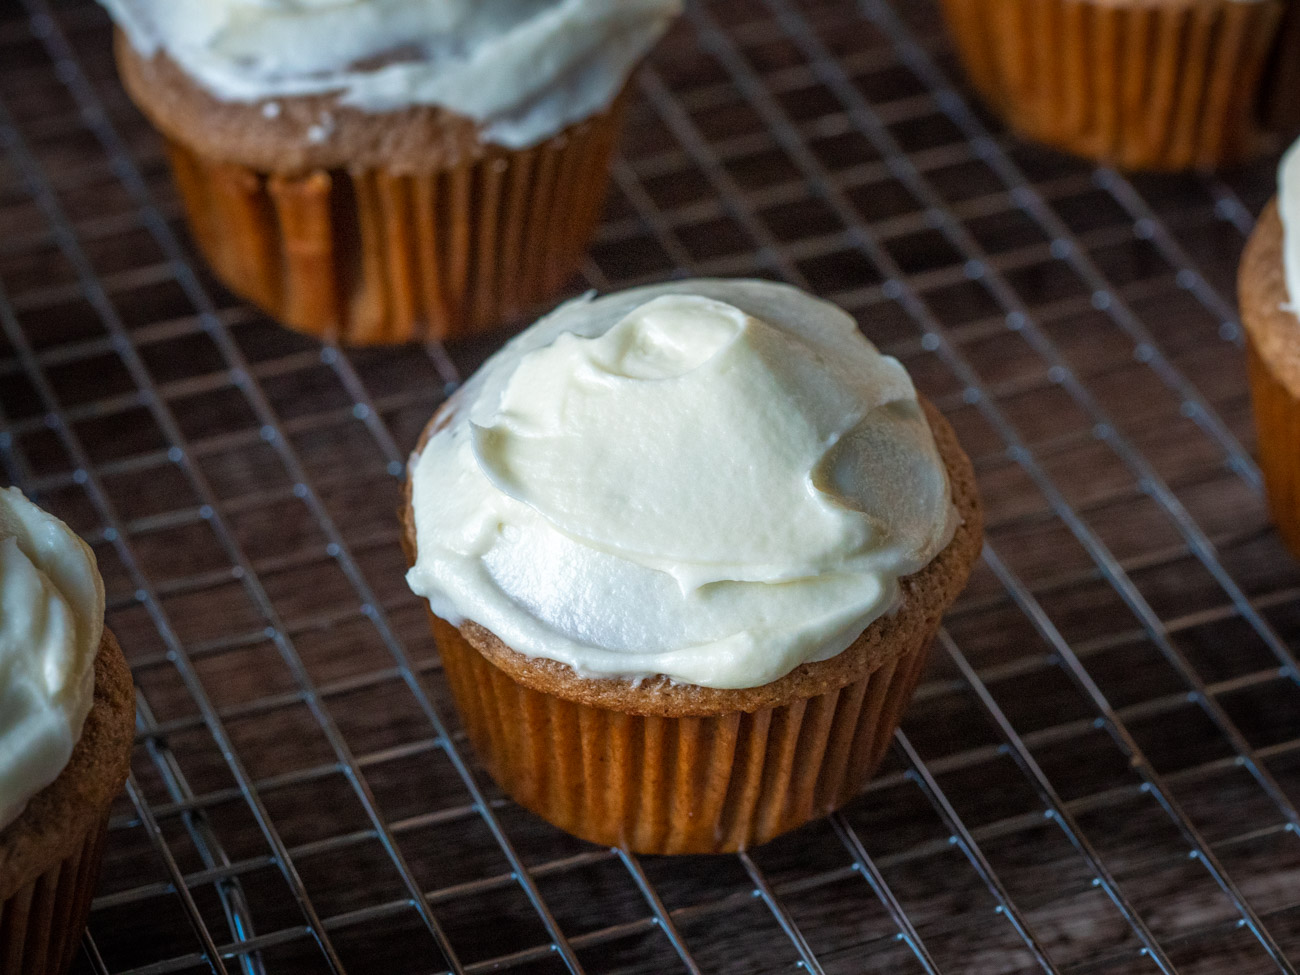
(239, 484)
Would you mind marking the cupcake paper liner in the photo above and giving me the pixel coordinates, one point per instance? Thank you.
(1280, 104)
(1277, 423)
(666, 768)
(654, 784)
(373, 257)
(41, 924)
(1145, 85)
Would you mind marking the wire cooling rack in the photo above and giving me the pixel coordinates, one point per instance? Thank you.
(1100, 770)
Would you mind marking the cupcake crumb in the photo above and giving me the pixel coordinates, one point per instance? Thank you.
(322, 130)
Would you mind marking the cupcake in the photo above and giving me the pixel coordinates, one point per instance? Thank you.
(685, 548)
(67, 716)
(1143, 84)
(1268, 281)
(379, 171)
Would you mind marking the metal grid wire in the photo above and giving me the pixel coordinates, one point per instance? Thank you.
(1099, 770)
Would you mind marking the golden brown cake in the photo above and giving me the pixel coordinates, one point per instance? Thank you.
(1273, 357)
(50, 856)
(1142, 84)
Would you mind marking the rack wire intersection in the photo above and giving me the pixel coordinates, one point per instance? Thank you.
(1100, 770)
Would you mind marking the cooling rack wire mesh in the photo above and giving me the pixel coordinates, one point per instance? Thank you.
(1100, 771)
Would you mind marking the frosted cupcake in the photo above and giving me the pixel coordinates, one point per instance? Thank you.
(685, 549)
(66, 724)
(378, 171)
(1268, 284)
(1144, 84)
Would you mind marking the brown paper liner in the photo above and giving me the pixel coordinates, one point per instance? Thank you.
(1277, 423)
(713, 784)
(1168, 85)
(372, 257)
(42, 923)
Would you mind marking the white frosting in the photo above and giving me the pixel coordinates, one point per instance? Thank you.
(51, 621)
(523, 69)
(712, 480)
(1288, 207)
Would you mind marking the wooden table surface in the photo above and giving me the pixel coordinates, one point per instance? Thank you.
(1100, 770)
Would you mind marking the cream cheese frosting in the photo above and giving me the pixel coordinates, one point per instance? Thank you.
(1288, 208)
(523, 69)
(711, 480)
(51, 622)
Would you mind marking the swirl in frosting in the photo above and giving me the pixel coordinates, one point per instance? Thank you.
(51, 621)
(523, 69)
(712, 480)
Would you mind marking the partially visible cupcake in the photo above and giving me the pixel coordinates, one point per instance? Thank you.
(1268, 284)
(686, 548)
(1280, 104)
(1143, 84)
(379, 171)
(67, 717)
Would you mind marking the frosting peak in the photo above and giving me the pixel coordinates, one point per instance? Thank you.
(51, 622)
(712, 480)
(524, 69)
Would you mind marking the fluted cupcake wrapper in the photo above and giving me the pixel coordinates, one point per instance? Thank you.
(1280, 108)
(1167, 86)
(653, 784)
(373, 257)
(42, 923)
(1277, 423)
